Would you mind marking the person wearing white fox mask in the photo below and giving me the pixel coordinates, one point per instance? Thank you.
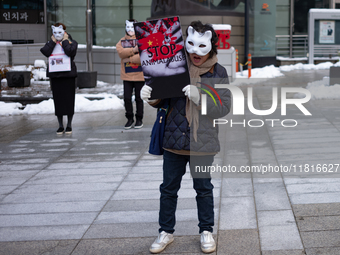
(58, 32)
(62, 82)
(189, 136)
(131, 80)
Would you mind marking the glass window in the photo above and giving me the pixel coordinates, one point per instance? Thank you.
(301, 9)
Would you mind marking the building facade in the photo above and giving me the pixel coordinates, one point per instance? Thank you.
(29, 21)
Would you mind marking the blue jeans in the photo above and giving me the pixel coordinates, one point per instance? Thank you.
(173, 169)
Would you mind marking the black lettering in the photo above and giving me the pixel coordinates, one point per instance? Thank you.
(156, 50)
(172, 48)
(167, 49)
(151, 54)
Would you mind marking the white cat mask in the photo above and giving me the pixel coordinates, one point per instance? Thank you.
(58, 32)
(199, 43)
(129, 28)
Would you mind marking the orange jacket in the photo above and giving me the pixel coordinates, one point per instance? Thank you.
(134, 58)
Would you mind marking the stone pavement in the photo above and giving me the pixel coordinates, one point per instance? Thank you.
(97, 191)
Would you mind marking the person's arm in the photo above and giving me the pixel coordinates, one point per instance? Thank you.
(124, 52)
(135, 59)
(70, 47)
(48, 48)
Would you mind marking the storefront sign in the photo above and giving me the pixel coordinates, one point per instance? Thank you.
(223, 33)
(22, 16)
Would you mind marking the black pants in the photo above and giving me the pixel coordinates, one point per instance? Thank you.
(174, 167)
(128, 89)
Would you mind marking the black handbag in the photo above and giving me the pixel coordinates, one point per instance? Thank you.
(157, 133)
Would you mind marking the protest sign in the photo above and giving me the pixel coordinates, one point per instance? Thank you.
(59, 61)
(162, 54)
(131, 67)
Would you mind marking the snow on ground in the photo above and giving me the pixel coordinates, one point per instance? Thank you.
(322, 90)
(264, 72)
(272, 71)
(82, 104)
(300, 66)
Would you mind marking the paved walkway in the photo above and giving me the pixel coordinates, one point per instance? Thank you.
(97, 191)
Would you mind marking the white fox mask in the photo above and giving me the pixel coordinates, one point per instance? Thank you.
(58, 32)
(129, 28)
(199, 43)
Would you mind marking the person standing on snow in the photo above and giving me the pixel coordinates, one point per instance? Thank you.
(131, 80)
(190, 136)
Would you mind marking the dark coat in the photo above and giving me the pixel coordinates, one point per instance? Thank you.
(177, 130)
(70, 50)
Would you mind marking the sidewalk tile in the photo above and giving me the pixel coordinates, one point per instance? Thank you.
(271, 196)
(238, 242)
(62, 247)
(237, 213)
(12, 234)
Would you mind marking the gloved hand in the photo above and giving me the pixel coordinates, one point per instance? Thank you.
(192, 93)
(65, 37)
(145, 94)
(53, 39)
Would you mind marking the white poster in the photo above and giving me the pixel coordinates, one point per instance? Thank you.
(59, 61)
(327, 31)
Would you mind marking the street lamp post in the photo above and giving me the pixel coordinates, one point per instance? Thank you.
(88, 78)
(89, 36)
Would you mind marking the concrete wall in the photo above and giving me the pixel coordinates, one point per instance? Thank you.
(25, 54)
(105, 60)
(35, 32)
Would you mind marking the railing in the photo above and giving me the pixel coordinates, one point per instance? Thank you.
(299, 46)
(25, 54)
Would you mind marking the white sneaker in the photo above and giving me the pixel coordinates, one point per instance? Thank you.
(161, 242)
(208, 244)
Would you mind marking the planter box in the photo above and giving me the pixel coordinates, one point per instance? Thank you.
(18, 78)
(86, 79)
(334, 75)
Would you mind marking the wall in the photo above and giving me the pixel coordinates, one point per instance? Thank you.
(35, 32)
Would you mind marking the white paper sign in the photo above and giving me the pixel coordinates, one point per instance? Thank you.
(327, 31)
(59, 61)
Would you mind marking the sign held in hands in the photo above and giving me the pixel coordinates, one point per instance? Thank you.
(162, 54)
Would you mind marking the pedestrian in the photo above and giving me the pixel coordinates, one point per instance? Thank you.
(190, 137)
(62, 71)
(132, 75)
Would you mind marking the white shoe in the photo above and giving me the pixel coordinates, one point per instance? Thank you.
(161, 242)
(208, 244)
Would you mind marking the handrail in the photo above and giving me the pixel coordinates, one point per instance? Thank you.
(299, 47)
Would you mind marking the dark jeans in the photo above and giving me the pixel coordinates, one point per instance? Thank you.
(173, 169)
(128, 89)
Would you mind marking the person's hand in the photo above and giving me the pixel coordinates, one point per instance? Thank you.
(192, 93)
(135, 49)
(53, 39)
(145, 94)
(126, 60)
(65, 37)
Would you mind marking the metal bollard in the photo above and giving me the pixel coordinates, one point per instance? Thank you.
(249, 65)
(236, 60)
